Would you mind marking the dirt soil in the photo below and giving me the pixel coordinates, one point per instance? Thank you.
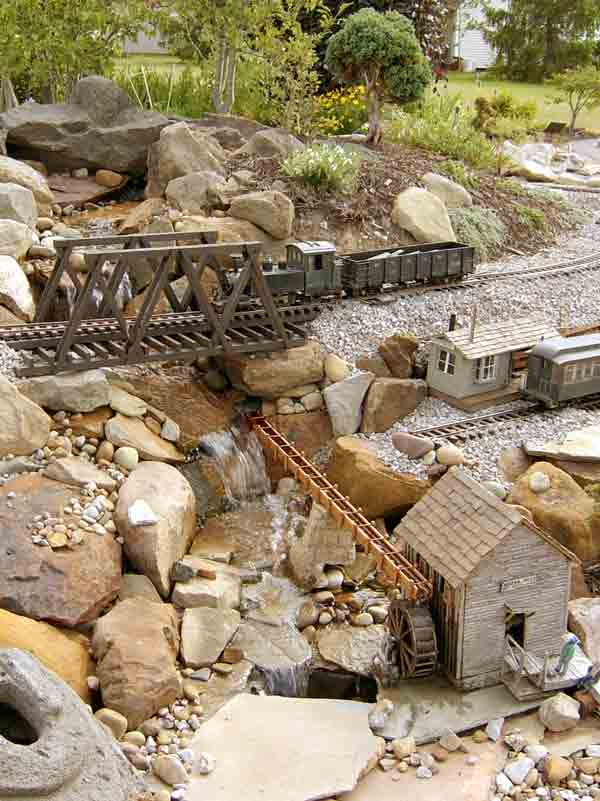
(362, 219)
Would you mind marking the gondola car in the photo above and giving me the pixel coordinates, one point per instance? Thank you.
(313, 269)
(561, 369)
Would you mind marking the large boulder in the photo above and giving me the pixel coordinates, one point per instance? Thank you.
(97, 127)
(272, 144)
(17, 172)
(195, 192)
(181, 150)
(271, 211)
(449, 192)
(560, 507)
(559, 713)
(205, 633)
(584, 621)
(15, 292)
(70, 586)
(135, 646)
(369, 484)
(344, 403)
(71, 392)
(270, 376)
(423, 215)
(24, 427)
(15, 239)
(131, 432)
(153, 549)
(73, 757)
(398, 352)
(322, 543)
(18, 203)
(64, 652)
(390, 400)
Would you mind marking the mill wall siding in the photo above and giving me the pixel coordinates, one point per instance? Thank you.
(521, 554)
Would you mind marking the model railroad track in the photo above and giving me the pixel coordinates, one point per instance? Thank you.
(582, 265)
(481, 425)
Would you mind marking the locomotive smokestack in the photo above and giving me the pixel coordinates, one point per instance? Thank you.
(452, 323)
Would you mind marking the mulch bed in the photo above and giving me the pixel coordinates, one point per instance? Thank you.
(396, 168)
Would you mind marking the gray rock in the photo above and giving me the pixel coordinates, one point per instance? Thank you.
(271, 211)
(73, 392)
(356, 649)
(195, 192)
(15, 292)
(181, 150)
(75, 758)
(183, 571)
(517, 769)
(322, 543)
(16, 238)
(135, 586)
(344, 401)
(18, 203)
(98, 127)
(17, 172)
(272, 143)
(449, 192)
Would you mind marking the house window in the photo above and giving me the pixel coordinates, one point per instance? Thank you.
(486, 368)
(446, 362)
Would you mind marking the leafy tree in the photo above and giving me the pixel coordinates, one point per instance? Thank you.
(579, 88)
(46, 45)
(537, 38)
(381, 52)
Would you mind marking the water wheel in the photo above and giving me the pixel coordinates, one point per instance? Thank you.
(413, 629)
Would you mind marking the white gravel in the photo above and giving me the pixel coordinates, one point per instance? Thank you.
(9, 360)
(484, 450)
(354, 328)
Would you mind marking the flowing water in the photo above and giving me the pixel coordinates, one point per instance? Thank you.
(240, 462)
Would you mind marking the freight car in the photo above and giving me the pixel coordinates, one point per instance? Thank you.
(561, 369)
(314, 269)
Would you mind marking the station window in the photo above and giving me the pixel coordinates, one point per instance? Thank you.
(446, 362)
(486, 368)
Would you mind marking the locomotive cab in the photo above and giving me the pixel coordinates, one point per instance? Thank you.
(318, 263)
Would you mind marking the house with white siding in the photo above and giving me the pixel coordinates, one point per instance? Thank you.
(467, 43)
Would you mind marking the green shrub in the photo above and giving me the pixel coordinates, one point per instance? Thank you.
(503, 106)
(185, 92)
(533, 218)
(512, 187)
(443, 125)
(326, 166)
(457, 171)
(480, 228)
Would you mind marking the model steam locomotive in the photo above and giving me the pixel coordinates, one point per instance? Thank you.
(313, 269)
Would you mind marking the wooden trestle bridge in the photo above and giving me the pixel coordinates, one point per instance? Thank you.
(98, 333)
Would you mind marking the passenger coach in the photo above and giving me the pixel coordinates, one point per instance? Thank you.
(560, 369)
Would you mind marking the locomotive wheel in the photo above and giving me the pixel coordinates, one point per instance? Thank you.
(413, 629)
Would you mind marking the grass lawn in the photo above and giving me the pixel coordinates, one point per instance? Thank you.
(465, 84)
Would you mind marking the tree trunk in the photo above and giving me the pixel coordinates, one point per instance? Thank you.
(374, 107)
(549, 46)
(223, 95)
(8, 98)
(574, 113)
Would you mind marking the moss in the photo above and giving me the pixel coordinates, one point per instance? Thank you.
(480, 228)
(457, 171)
(532, 218)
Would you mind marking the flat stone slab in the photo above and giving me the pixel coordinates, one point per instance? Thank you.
(315, 749)
(426, 708)
(77, 473)
(582, 445)
(77, 191)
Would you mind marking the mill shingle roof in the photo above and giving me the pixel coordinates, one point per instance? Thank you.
(458, 523)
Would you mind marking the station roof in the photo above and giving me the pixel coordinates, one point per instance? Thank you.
(563, 350)
(500, 337)
(458, 523)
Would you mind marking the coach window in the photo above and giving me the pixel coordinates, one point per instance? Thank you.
(596, 367)
(570, 374)
(587, 370)
(579, 373)
(446, 362)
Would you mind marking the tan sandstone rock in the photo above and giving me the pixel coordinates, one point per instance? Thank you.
(390, 400)
(65, 653)
(136, 645)
(271, 211)
(398, 352)
(584, 621)
(322, 543)
(271, 376)
(131, 432)
(564, 510)
(368, 483)
(423, 215)
(153, 549)
(24, 426)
